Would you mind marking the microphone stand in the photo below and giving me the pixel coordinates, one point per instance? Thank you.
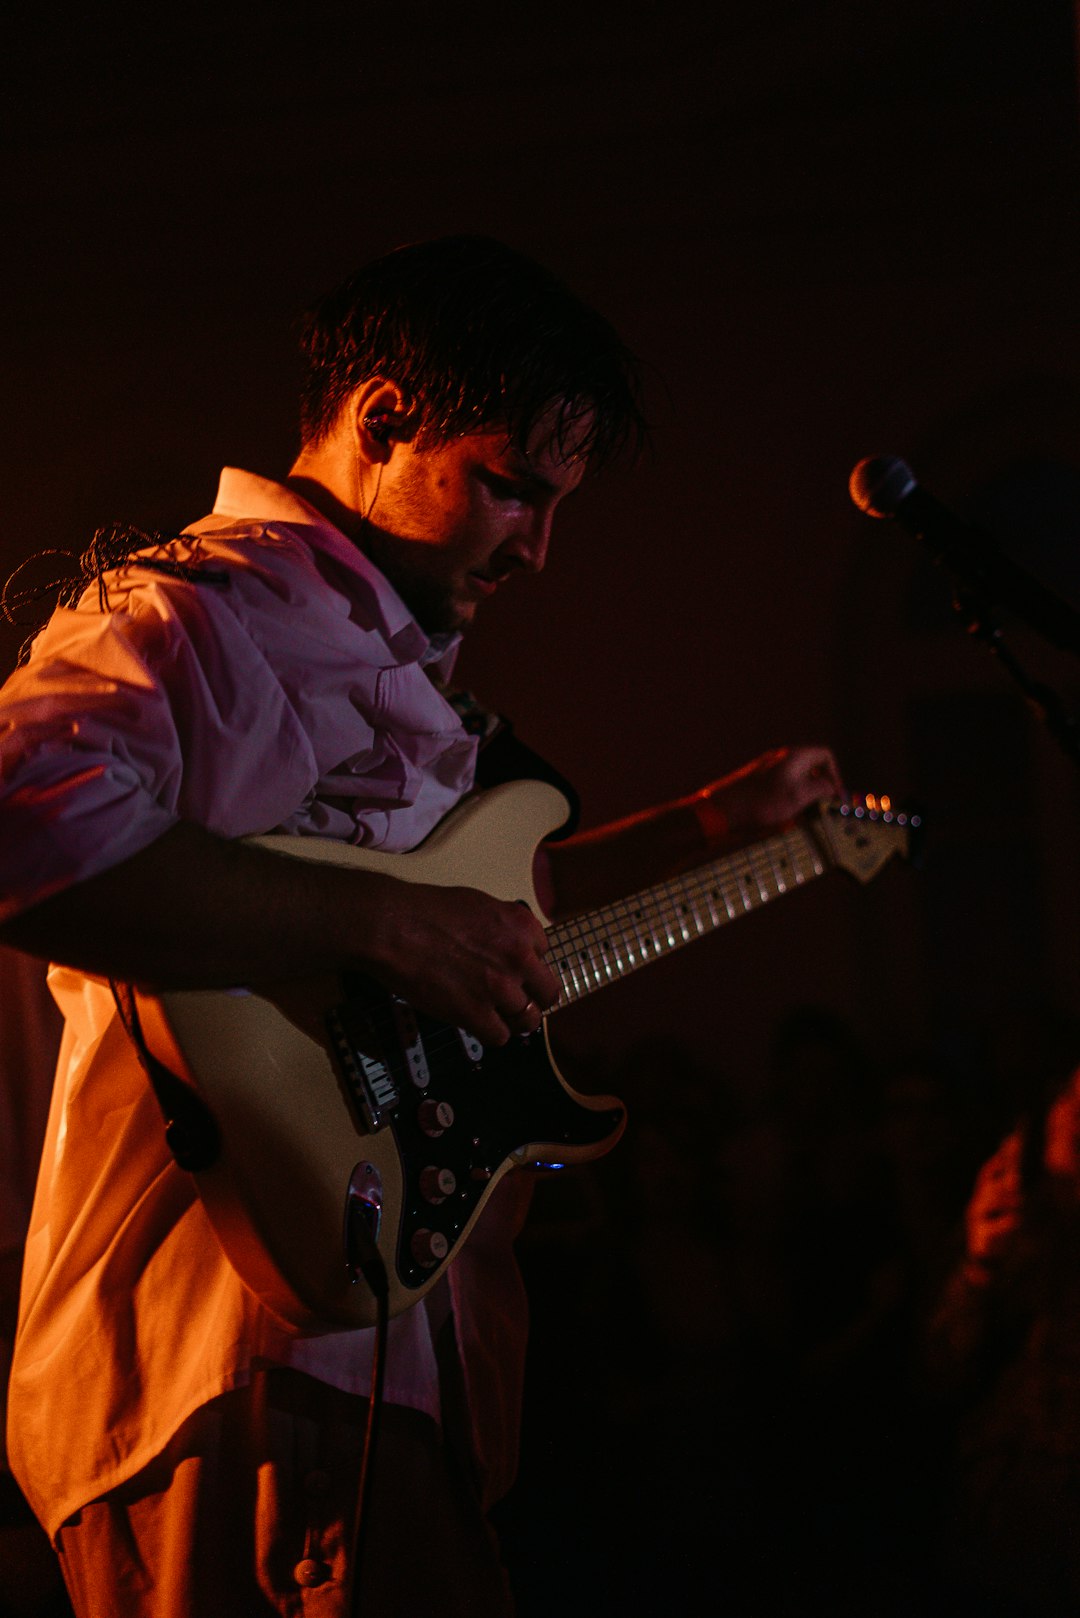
(973, 606)
(984, 579)
(985, 575)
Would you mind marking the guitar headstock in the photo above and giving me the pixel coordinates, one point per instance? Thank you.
(860, 835)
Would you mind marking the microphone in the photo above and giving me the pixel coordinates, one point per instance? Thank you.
(884, 486)
(879, 483)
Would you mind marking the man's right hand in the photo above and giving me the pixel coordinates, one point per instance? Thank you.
(463, 957)
(194, 911)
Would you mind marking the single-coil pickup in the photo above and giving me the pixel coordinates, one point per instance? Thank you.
(473, 1049)
(412, 1046)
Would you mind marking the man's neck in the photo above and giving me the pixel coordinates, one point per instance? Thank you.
(317, 494)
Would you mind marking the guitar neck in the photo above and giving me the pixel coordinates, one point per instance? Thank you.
(604, 945)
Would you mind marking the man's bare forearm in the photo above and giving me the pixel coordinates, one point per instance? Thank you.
(196, 911)
(597, 866)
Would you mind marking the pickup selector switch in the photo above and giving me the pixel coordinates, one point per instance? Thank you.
(429, 1247)
(434, 1117)
(437, 1184)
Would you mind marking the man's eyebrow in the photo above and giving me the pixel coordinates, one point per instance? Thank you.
(522, 469)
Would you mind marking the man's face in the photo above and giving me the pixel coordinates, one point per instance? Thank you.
(449, 524)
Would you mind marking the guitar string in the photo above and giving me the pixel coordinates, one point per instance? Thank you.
(643, 923)
(652, 924)
(632, 926)
(603, 946)
(654, 927)
(585, 938)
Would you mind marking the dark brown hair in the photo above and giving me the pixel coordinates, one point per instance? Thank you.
(475, 335)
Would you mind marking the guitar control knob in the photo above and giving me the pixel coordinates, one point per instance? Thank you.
(434, 1117)
(437, 1184)
(429, 1247)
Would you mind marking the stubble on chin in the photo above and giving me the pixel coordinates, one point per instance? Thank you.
(430, 604)
(436, 610)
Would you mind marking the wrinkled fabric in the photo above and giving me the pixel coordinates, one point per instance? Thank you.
(180, 1540)
(282, 686)
(256, 674)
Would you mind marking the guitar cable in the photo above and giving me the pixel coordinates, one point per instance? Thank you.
(192, 1137)
(364, 1255)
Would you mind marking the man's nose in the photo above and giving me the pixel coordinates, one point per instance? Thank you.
(529, 543)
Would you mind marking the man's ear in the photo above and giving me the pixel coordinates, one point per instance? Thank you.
(383, 418)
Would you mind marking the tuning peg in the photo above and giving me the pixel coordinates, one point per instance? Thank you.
(877, 806)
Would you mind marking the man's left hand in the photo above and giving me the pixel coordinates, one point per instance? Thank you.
(773, 789)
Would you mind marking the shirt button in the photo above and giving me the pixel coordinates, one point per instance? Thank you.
(317, 1485)
(310, 1573)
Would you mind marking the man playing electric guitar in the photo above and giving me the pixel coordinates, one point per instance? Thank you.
(282, 666)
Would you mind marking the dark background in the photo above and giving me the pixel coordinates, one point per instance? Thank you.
(828, 229)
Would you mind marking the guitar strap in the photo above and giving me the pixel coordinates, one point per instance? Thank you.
(191, 1131)
(503, 756)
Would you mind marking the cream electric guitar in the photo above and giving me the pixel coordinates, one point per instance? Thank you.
(338, 1103)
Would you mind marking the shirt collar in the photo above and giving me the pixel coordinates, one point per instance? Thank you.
(247, 496)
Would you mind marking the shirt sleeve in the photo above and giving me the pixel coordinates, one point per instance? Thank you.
(124, 721)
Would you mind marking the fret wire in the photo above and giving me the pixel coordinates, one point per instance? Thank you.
(583, 953)
(729, 907)
(709, 891)
(650, 901)
(685, 908)
(565, 965)
(593, 938)
(618, 937)
(791, 844)
(817, 863)
(677, 906)
(663, 935)
(709, 883)
(624, 953)
(633, 916)
(692, 901)
(632, 956)
(804, 862)
(767, 873)
(733, 881)
(778, 856)
(614, 932)
(764, 868)
(676, 932)
(672, 893)
(748, 870)
(777, 870)
(598, 947)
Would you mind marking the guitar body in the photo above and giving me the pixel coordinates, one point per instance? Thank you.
(346, 1120)
(335, 1103)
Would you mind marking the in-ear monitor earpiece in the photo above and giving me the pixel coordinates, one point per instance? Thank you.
(379, 426)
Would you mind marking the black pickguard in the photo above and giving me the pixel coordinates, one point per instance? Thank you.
(508, 1099)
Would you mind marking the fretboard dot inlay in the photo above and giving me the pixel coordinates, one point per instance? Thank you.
(680, 910)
